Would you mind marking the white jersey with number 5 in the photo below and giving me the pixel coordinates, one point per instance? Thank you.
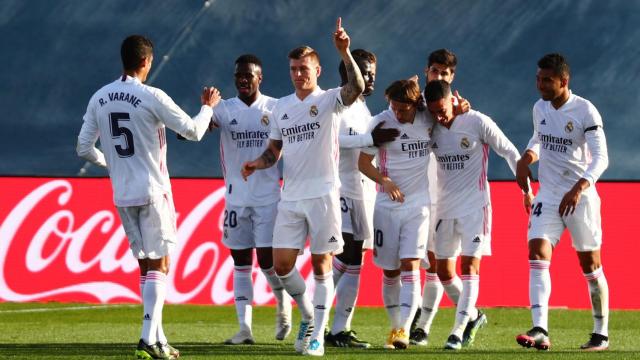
(567, 141)
(462, 152)
(244, 135)
(309, 132)
(129, 118)
(404, 160)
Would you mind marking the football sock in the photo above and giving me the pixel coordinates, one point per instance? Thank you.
(599, 294)
(160, 332)
(295, 286)
(466, 308)
(283, 301)
(243, 295)
(453, 288)
(347, 294)
(431, 298)
(322, 298)
(391, 298)
(539, 292)
(339, 268)
(153, 296)
(409, 297)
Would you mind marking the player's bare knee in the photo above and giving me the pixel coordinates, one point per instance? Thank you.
(351, 251)
(540, 249)
(265, 257)
(243, 257)
(590, 261)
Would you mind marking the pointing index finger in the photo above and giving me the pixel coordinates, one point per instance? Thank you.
(339, 24)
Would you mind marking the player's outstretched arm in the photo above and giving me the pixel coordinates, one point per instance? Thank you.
(355, 83)
(367, 168)
(268, 158)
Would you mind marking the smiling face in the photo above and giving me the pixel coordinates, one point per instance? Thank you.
(247, 80)
(304, 74)
(441, 110)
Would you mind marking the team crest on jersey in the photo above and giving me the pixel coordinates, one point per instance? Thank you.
(569, 127)
(464, 143)
(265, 120)
(233, 122)
(313, 111)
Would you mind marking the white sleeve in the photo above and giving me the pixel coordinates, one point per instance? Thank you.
(274, 131)
(355, 141)
(177, 120)
(89, 133)
(500, 143)
(534, 143)
(597, 143)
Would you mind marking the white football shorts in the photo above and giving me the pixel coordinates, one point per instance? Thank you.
(318, 218)
(248, 227)
(354, 218)
(399, 234)
(424, 262)
(151, 228)
(469, 235)
(585, 225)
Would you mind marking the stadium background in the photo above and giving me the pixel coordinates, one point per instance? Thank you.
(56, 54)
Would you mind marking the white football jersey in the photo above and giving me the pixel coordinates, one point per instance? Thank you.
(309, 132)
(129, 118)
(354, 136)
(462, 153)
(244, 136)
(560, 138)
(404, 160)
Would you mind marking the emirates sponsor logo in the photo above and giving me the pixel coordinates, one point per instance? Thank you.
(59, 243)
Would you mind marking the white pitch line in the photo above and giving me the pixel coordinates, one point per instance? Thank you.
(69, 308)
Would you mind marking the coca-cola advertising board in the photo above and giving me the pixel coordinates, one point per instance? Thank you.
(61, 240)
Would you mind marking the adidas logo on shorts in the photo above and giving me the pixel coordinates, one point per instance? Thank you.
(476, 239)
(333, 239)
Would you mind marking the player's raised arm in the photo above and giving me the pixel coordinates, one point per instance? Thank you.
(355, 83)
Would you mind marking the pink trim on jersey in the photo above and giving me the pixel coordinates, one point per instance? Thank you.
(222, 163)
(382, 152)
(483, 173)
(485, 220)
(162, 140)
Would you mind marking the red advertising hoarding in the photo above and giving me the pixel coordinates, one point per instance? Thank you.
(61, 240)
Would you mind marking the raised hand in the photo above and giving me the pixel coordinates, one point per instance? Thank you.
(463, 104)
(381, 136)
(210, 96)
(341, 38)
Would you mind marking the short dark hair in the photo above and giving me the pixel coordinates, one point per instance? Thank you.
(444, 57)
(436, 90)
(248, 59)
(133, 50)
(358, 55)
(555, 62)
(404, 91)
(304, 51)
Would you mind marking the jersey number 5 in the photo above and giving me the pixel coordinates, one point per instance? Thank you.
(117, 131)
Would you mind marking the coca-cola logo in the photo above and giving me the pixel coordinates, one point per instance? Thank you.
(61, 242)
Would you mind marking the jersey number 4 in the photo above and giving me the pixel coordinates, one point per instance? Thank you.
(117, 131)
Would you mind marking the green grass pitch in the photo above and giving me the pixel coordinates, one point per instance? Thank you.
(80, 331)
